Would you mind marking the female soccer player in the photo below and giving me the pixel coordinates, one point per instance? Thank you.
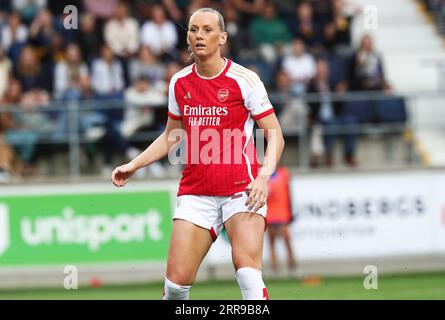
(215, 101)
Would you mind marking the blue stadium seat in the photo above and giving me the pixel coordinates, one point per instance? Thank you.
(362, 111)
(391, 110)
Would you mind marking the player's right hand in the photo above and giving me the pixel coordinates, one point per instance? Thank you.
(121, 174)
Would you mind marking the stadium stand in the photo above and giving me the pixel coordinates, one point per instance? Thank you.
(37, 58)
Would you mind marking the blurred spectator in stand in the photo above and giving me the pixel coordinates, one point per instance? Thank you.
(142, 99)
(290, 110)
(68, 74)
(235, 36)
(41, 31)
(69, 84)
(279, 217)
(57, 51)
(270, 33)
(5, 6)
(248, 10)
(5, 72)
(17, 131)
(121, 34)
(160, 35)
(89, 37)
(108, 85)
(14, 35)
(299, 66)
(175, 9)
(103, 9)
(368, 70)
(107, 75)
(57, 7)
(331, 116)
(172, 68)
(31, 73)
(28, 9)
(185, 58)
(303, 26)
(9, 161)
(146, 64)
(337, 31)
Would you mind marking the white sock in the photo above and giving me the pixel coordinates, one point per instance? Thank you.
(251, 283)
(173, 291)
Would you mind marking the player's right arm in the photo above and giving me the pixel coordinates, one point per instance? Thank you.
(156, 151)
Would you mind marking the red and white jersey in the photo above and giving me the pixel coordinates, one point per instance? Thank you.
(218, 109)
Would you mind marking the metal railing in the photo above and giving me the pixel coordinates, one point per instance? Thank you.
(74, 111)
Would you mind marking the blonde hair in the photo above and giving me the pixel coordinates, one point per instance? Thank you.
(221, 24)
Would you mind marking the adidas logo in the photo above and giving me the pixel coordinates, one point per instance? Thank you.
(188, 95)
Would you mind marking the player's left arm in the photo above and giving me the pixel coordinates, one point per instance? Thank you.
(275, 145)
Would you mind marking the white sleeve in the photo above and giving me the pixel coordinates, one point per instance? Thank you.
(258, 103)
(173, 108)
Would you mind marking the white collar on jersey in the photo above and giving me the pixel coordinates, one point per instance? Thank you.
(209, 78)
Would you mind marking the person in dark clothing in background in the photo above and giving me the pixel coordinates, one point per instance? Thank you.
(330, 114)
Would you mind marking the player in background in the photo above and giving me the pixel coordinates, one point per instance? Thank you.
(214, 95)
(279, 216)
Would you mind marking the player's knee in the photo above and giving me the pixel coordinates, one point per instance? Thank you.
(241, 260)
(175, 291)
(181, 278)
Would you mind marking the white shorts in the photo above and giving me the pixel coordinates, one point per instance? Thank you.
(212, 212)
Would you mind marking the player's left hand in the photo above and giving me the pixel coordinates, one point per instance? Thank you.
(257, 193)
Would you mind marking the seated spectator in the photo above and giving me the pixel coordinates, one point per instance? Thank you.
(57, 51)
(42, 30)
(337, 31)
(68, 74)
(89, 37)
(107, 75)
(331, 116)
(9, 161)
(290, 110)
(368, 71)
(236, 35)
(31, 73)
(5, 72)
(14, 36)
(160, 34)
(72, 84)
(146, 64)
(299, 66)
(121, 33)
(16, 130)
(28, 9)
(140, 100)
(103, 9)
(270, 33)
(36, 117)
(304, 26)
(248, 10)
(108, 85)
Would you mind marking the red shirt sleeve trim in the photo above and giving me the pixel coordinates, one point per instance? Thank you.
(173, 116)
(263, 114)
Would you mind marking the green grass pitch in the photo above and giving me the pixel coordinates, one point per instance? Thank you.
(402, 286)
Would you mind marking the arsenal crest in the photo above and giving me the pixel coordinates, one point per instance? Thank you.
(223, 94)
